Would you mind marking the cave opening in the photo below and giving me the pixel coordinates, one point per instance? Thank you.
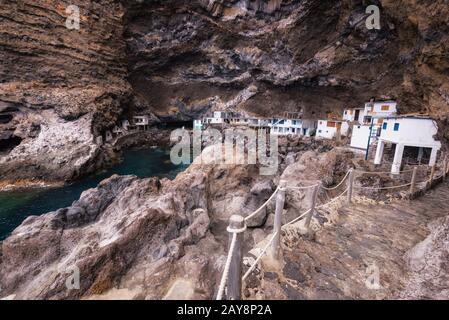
(6, 145)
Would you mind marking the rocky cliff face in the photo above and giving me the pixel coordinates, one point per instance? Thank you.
(59, 87)
(267, 57)
(179, 58)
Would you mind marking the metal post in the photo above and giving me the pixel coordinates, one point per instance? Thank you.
(280, 200)
(369, 139)
(432, 175)
(413, 182)
(234, 283)
(312, 206)
(351, 185)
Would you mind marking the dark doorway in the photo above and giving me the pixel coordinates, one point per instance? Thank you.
(357, 115)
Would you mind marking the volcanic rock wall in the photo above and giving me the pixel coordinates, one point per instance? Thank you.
(51, 76)
(188, 56)
(180, 58)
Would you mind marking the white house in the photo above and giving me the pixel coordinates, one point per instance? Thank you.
(405, 132)
(219, 117)
(117, 130)
(285, 126)
(141, 120)
(125, 125)
(370, 119)
(354, 115)
(292, 126)
(376, 111)
(328, 129)
(364, 134)
(197, 124)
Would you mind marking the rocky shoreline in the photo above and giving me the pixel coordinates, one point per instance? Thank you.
(21, 172)
(149, 238)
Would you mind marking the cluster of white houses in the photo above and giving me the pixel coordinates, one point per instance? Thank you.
(280, 126)
(376, 122)
(137, 123)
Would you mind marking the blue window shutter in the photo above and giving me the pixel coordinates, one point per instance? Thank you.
(384, 126)
(396, 127)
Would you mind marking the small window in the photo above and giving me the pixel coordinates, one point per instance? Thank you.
(319, 131)
(396, 127)
(384, 126)
(385, 108)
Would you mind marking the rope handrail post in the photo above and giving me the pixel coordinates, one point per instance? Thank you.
(280, 201)
(432, 175)
(351, 185)
(413, 182)
(312, 207)
(236, 226)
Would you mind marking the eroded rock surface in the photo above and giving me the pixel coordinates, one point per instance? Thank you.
(179, 59)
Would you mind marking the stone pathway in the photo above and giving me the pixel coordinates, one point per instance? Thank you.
(366, 240)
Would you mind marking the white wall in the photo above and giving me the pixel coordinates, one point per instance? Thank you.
(360, 136)
(323, 131)
(349, 114)
(331, 132)
(412, 132)
(377, 109)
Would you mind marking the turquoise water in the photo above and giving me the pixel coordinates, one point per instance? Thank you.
(15, 206)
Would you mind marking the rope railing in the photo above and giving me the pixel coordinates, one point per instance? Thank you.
(235, 247)
(385, 172)
(299, 187)
(333, 200)
(264, 250)
(224, 277)
(384, 188)
(262, 206)
(297, 219)
(338, 185)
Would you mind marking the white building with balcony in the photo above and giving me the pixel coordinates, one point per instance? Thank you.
(292, 126)
(370, 121)
(408, 132)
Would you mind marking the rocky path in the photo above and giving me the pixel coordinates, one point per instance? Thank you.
(343, 260)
